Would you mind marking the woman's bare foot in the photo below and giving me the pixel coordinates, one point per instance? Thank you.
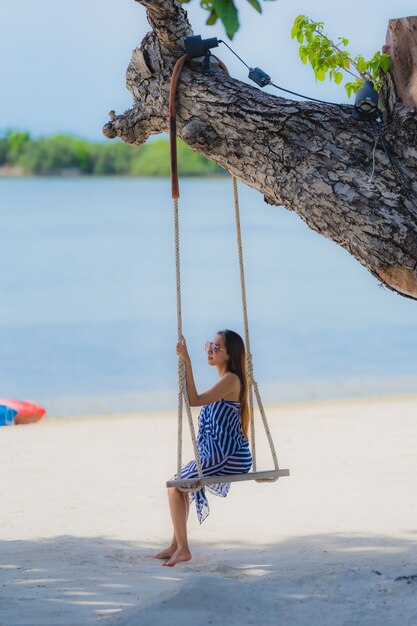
(179, 556)
(165, 554)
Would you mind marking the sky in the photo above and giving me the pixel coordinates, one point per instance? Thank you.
(63, 64)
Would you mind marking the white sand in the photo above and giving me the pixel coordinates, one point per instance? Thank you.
(83, 506)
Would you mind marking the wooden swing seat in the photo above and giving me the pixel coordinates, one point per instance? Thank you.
(228, 478)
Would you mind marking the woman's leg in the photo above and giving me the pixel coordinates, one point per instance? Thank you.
(168, 552)
(179, 507)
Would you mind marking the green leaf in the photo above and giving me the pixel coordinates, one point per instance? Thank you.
(338, 77)
(361, 64)
(255, 4)
(303, 54)
(313, 58)
(320, 75)
(300, 38)
(299, 20)
(227, 12)
(212, 18)
(384, 62)
(354, 86)
(294, 31)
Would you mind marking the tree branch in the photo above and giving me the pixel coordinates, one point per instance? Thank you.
(401, 45)
(313, 159)
(169, 22)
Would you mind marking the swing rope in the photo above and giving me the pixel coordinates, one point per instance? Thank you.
(196, 484)
(252, 384)
(182, 383)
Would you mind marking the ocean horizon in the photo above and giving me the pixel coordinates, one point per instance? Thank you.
(88, 322)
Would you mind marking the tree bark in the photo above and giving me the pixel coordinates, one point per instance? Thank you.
(312, 158)
(401, 45)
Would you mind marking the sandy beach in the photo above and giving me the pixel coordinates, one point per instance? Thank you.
(83, 508)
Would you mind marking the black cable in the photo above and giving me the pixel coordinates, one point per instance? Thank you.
(404, 182)
(373, 158)
(306, 97)
(404, 176)
(236, 55)
(294, 93)
(402, 179)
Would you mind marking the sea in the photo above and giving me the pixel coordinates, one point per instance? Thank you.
(88, 300)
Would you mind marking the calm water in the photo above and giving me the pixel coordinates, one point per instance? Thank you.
(88, 314)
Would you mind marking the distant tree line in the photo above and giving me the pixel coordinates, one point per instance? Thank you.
(60, 154)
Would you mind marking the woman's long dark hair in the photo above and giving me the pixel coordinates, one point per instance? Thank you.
(237, 364)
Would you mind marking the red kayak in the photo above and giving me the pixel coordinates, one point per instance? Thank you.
(19, 412)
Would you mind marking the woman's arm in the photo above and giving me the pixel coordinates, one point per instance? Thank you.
(226, 386)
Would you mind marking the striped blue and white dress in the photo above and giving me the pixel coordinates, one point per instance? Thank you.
(223, 450)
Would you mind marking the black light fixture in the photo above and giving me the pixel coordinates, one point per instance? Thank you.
(196, 47)
(366, 102)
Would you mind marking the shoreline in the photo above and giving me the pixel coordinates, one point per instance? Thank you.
(17, 174)
(277, 406)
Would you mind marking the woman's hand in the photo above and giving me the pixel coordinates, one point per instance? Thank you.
(182, 350)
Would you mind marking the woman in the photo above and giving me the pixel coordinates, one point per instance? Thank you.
(222, 434)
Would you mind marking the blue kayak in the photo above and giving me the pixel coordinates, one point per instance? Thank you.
(7, 415)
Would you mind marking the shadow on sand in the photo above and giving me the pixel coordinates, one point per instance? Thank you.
(328, 580)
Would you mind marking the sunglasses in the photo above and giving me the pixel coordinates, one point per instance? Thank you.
(213, 347)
